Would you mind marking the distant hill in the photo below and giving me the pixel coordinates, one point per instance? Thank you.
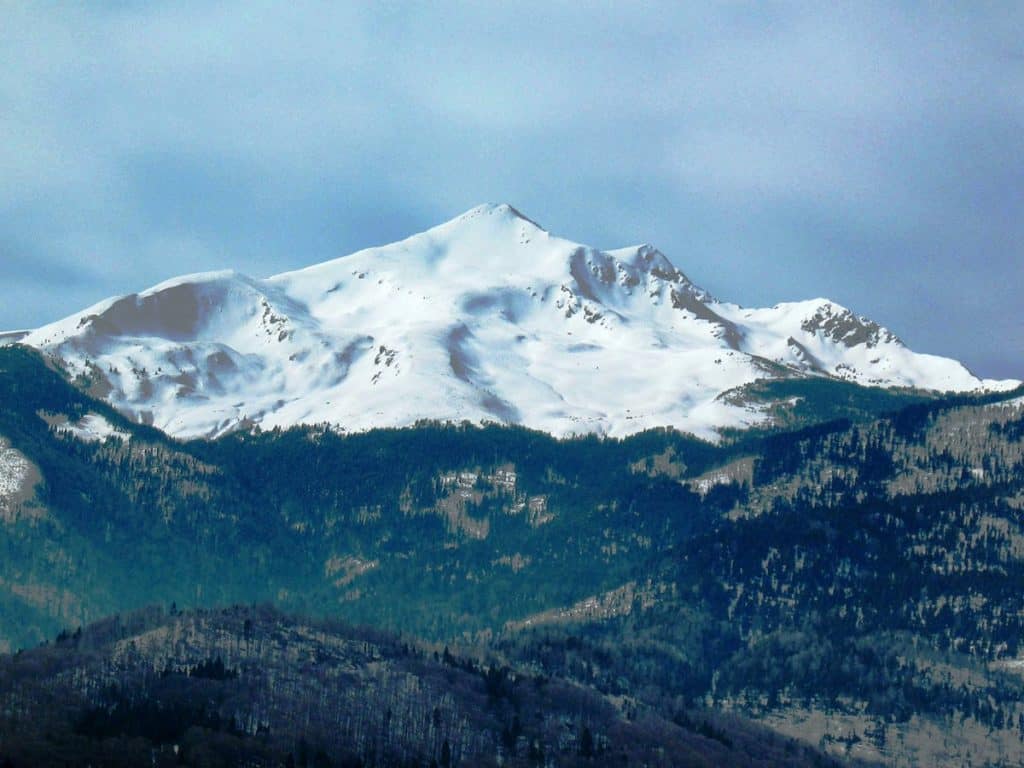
(253, 687)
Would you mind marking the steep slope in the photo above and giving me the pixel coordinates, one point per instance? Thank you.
(487, 317)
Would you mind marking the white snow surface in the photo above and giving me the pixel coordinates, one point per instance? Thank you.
(12, 337)
(14, 469)
(93, 428)
(487, 317)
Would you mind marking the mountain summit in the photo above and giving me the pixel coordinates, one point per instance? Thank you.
(487, 317)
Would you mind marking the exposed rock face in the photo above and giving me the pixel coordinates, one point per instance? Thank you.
(843, 327)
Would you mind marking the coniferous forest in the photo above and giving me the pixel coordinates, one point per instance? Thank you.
(846, 588)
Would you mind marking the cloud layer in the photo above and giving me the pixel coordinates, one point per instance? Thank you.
(872, 154)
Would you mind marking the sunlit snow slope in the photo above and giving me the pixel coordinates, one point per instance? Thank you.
(485, 317)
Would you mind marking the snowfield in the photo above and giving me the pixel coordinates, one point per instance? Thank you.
(487, 317)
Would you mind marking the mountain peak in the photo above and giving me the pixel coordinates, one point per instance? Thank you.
(505, 210)
(492, 218)
(510, 210)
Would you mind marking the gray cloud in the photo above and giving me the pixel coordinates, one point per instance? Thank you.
(870, 153)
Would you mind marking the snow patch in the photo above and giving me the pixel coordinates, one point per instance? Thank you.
(93, 428)
(14, 471)
(17, 476)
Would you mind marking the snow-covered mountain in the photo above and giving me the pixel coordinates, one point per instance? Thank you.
(485, 317)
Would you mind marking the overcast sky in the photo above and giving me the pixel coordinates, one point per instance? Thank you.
(870, 154)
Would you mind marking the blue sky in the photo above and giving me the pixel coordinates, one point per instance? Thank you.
(873, 154)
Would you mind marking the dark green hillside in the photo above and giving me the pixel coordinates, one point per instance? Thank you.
(377, 527)
(804, 401)
(254, 687)
(855, 582)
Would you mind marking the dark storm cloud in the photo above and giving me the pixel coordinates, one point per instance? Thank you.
(873, 154)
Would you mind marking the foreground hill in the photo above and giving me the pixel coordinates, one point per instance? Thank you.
(487, 317)
(253, 687)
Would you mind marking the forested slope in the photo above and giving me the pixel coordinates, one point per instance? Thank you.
(852, 582)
